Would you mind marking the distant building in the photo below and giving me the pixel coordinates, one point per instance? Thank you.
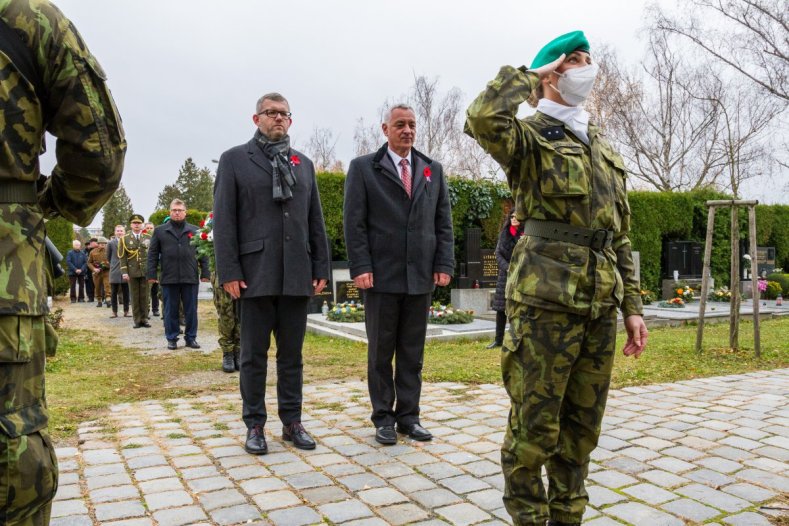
(95, 231)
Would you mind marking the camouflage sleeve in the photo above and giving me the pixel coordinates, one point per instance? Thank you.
(82, 115)
(492, 118)
(631, 303)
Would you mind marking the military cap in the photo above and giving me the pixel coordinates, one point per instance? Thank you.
(136, 217)
(102, 239)
(567, 43)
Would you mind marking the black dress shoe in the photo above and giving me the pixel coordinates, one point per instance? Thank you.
(295, 432)
(386, 435)
(98, 304)
(193, 344)
(228, 364)
(145, 324)
(493, 345)
(137, 326)
(256, 441)
(415, 432)
(156, 313)
(172, 345)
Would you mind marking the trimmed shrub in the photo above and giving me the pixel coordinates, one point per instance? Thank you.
(192, 216)
(782, 280)
(773, 290)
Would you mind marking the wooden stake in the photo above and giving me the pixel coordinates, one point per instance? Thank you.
(705, 276)
(754, 279)
(734, 327)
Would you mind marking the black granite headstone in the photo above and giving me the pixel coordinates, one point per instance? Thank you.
(316, 302)
(490, 268)
(347, 291)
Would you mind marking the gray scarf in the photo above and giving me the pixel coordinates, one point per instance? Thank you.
(277, 152)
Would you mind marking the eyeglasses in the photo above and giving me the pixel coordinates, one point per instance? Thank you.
(272, 114)
(179, 210)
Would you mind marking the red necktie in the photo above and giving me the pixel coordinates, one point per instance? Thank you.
(405, 175)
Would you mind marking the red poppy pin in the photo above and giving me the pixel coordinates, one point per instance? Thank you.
(203, 236)
(190, 235)
(294, 160)
(427, 173)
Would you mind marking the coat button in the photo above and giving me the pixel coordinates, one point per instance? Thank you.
(287, 215)
(287, 238)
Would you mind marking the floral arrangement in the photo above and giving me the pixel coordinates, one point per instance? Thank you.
(722, 294)
(647, 297)
(347, 312)
(204, 240)
(684, 293)
(673, 303)
(448, 315)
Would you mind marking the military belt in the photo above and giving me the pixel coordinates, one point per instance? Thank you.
(18, 192)
(596, 239)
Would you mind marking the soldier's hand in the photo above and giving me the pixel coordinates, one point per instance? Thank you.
(441, 279)
(318, 285)
(364, 281)
(636, 336)
(234, 288)
(547, 69)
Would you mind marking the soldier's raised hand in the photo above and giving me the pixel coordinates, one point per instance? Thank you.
(546, 69)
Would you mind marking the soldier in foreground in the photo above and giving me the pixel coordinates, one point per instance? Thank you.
(49, 81)
(568, 274)
(133, 252)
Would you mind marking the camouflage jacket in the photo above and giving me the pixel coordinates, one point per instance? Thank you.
(563, 180)
(79, 111)
(134, 254)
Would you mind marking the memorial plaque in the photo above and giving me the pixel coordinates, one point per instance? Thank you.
(347, 291)
(316, 301)
(490, 268)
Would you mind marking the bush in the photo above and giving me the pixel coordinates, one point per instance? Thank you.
(773, 290)
(61, 232)
(192, 216)
(782, 280)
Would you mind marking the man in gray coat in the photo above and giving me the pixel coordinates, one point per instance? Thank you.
(398, 231)
(272, 253)
(117, 285)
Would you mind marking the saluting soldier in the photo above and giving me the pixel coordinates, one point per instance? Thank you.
(49, 81)
(99, 265)
(133, 253)
(568, 274)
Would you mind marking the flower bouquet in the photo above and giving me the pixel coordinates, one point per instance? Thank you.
(684, 293)
(722, 294)
(348, 312)
(204, 239)
(448, 315)
(647, 297)
(673, 303)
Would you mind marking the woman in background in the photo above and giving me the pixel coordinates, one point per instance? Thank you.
(510, 234)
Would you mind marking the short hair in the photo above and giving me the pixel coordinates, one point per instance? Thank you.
(276, 97)
(93, 240)
(76, 242)
(398, 106)
(120, 226)
(177, 202)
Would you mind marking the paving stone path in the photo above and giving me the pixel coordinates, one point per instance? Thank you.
(711, 451)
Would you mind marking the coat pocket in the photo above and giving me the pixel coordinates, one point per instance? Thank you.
(563, 173)
(546, 269)
(16, 338)
(250, 247)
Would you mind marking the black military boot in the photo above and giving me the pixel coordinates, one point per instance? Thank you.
(552, 522)
(228, 363)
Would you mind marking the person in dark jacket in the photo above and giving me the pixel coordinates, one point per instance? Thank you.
(77, 263)
(172, 251)
(510, 234)
(117, 285)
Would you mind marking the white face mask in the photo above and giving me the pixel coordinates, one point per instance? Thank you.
(576, 84)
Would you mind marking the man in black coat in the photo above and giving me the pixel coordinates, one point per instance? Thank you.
(271, 253)
(398, 231)
(172, 250)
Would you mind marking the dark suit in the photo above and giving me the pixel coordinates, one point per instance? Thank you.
(402, 241)
(171, 248)
(277, 249)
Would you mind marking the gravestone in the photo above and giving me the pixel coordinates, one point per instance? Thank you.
(471, 261)
(347, 291)
(490, 269)
(316, 301)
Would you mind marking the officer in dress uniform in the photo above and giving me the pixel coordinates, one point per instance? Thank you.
(133, 253)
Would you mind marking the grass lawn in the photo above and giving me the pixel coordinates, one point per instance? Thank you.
(88, 375)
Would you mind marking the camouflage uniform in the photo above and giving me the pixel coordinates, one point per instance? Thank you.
(229, 327)
(561, 297)
(78, 109)
(133, 254)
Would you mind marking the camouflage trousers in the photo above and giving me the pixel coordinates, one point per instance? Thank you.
(556, 368)
(228, 323)
(28, 467)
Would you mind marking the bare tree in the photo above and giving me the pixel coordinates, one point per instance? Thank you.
(662, 118)
(749, 36)
(366, 138)
(321, 147)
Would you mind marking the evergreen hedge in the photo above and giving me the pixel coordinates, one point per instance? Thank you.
(61, 233)
(192, 216)
(656, 217)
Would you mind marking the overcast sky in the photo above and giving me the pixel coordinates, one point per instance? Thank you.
(186, 73)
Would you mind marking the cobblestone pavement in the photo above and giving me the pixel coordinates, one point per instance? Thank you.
(712, 451)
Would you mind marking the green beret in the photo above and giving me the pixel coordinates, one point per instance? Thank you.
(136, 217)
(573, 41)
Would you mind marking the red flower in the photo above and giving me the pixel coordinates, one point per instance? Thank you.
(203, 236)
(427, 173)
(202, 223)
(211, 215)
(294, 160)
(189, 235)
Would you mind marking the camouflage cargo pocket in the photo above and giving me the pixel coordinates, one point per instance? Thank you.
(28, 475)
(512, 373)
(563, 172)
(16, 338)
